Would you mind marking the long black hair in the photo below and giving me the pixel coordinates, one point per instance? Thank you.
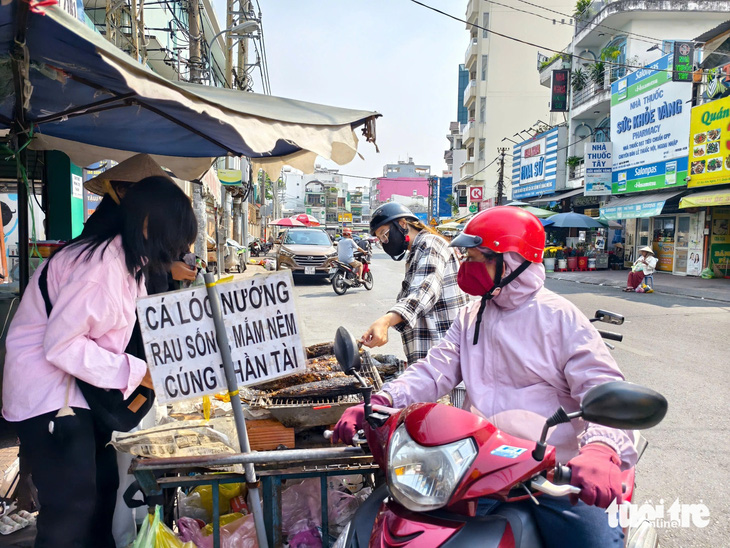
(155, 205)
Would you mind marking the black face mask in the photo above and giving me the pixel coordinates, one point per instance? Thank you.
(397, 244)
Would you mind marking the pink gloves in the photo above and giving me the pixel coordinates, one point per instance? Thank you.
(352, 420)
(596, 470)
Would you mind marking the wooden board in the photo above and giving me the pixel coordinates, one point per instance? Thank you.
(269, 434)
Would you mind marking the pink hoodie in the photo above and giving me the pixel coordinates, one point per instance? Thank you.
(93, 315)
(536, 352)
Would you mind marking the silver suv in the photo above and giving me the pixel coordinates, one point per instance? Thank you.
(306, 251)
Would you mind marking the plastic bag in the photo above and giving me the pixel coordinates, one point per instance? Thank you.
(155, 534)
(707, 274)
(300, 502)
(202, 498)
(240, 533)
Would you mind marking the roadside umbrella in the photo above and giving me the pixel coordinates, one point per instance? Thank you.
(609, 223)
(546, 222)
(307, 220)
(574, 220)
(287, 221)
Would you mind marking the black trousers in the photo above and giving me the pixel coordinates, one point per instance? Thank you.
(76, 477)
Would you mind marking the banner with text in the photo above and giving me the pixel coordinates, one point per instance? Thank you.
(650, 123)
(181, 345)
(709, 153)
(598, 162)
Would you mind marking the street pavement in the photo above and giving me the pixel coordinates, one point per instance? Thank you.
(675, 342)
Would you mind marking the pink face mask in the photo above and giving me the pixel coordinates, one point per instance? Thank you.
(474, 279)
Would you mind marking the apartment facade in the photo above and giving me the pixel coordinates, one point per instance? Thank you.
(501, 97)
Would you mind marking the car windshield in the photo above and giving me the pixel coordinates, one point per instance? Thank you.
(307, 237)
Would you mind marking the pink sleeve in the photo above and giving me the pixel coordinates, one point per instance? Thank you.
(589, 364)
(83, 313)
(433, 376)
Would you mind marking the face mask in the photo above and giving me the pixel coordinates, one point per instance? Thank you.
(474, 279)
(397, 243)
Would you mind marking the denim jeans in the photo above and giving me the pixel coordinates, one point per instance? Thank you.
(563, 525)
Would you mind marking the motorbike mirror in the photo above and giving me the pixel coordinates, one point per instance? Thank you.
(623, 405)
(608, 317)
(346, 351)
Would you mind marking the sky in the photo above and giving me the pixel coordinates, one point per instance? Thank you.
(391, 56)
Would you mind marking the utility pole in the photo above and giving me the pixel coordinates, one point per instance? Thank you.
(196, 37)
(431, 197)
(500, 182)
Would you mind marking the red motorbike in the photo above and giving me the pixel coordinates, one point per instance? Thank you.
(435, 475)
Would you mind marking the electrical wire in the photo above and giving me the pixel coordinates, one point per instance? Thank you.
(525, 42)
(628, 33)
(653, 41)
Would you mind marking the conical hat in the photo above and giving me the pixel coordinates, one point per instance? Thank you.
(131, 170)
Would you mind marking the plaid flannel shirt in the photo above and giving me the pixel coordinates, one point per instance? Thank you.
(430, 297)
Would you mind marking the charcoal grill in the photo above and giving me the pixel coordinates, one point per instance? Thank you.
(308, 412)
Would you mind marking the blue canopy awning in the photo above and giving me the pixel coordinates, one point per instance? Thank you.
(637, 206)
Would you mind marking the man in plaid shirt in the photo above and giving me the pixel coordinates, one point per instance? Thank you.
(429, 297)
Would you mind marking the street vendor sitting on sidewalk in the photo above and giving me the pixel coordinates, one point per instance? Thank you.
(643, 266)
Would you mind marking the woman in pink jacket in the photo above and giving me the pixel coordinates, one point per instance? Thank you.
(522, 351)
(93, 284)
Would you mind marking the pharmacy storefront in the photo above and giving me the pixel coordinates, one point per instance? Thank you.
(651, 122)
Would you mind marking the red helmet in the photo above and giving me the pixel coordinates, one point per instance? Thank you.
(347, 231)
(503, 229)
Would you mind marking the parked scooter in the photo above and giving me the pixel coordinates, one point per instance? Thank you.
(255, 247)
(436, 475)
(343, 276)
(235, 256)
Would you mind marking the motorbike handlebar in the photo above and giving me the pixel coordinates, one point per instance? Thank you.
(611, 335)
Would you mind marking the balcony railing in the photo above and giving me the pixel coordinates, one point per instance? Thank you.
(471, 52)
(577, 171)
(472, 12)
(469, 131)
(589, 92)
(470, 92)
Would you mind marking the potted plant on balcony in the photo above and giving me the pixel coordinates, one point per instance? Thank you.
(578, 79)
(581, 7)
(548, 258)
(572, 162)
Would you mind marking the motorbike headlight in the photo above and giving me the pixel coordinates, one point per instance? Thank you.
(424, 478)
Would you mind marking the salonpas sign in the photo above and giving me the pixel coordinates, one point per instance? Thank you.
(650, 123)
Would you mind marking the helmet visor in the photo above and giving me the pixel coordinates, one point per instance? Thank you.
(466, 240)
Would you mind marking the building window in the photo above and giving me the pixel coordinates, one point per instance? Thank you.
(482, 109)
(603, 131)
(618, 46)
(485, 24)
(484, 68)
(482, 147)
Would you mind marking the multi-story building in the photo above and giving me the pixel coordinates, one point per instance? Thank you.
(406, 169)
(402, 179)
(501, 98)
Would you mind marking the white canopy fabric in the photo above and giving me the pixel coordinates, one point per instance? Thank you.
(92, 101)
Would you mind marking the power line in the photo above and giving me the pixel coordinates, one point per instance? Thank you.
(651, 41)
(656, 41)
(525, 42)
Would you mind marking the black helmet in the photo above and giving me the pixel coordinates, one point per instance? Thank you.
(389, 212)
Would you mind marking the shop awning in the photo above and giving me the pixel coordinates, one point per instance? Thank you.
(637, 206)
(91, 100)
(558, 197)
(705, 199)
